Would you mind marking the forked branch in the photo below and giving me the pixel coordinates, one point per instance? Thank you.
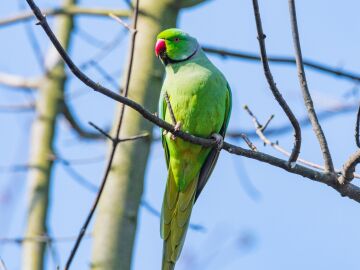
(329, 167)
(297, 131)
(347, 189)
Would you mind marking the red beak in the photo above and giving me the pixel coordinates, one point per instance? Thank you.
(160, 47)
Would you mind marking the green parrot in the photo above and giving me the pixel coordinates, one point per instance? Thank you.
(197, 96)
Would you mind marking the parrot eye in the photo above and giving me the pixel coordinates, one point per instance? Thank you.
(176, 39)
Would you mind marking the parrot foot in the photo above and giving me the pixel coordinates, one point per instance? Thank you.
(177, 128)
(165, 132)
(219, 140)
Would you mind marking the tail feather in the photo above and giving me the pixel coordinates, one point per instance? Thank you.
(175, 217)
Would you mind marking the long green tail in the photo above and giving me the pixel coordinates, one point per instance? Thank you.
(175, 217)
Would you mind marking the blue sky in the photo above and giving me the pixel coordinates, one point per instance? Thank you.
(286, 222)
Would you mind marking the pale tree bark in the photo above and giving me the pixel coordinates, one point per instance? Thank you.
(116, 221)
(48, 105)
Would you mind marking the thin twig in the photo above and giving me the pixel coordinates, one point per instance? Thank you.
(35, 45)
(172, 115)
(101, 131)
(349, 190)
(16, 81)
(76, 125)
(347, 173)
(339, 72)
(260, 133)
(329, 167)
(2, 264)
(248, 142)
(267, 122)
(104, 74)
(297, 131)
(42, 239)
(105, 50)
(70, 10)
(304, 121)
(131, 138)
(119, 20)
(114, 141)
(15, 108)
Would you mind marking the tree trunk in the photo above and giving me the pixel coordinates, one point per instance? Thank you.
(115, 224)
(48, 105)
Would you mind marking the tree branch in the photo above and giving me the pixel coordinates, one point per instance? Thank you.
(349, 168)
(329, 167)
(17, 108)
(304, 121)
(297, 131)
(284, 60)
(259, 129)
(349, 190)
(16, 81)
(76, 126)
(2, 265)
(115, 141)
(41, 239)
(71, 10)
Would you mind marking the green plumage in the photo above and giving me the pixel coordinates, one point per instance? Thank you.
(201, 100)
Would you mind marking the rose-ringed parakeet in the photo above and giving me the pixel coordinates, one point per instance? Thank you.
(200, 99)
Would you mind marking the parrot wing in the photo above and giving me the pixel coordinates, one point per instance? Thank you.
(211, 160)
(162, 110)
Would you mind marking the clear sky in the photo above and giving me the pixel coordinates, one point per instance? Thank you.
(254, 216)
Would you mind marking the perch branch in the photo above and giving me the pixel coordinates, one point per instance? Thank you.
(349, 190)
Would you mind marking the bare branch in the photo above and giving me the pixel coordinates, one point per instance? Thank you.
(104, 51)
(16, 81)
(2, 265)
(14, 168)
(16, 108)
(71, 10)
(304, 121)
(74, 123)
(347, 173)
(248, 142)
(349, 190)
(172, 115)
(344, 74)
(259, 129)
(115, 141)
(102, 132)
(119, 20)
(297, 131)
(105, 75)
(41, 239)
(329, 167)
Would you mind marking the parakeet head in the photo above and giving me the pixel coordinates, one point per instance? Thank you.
(174, 45)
